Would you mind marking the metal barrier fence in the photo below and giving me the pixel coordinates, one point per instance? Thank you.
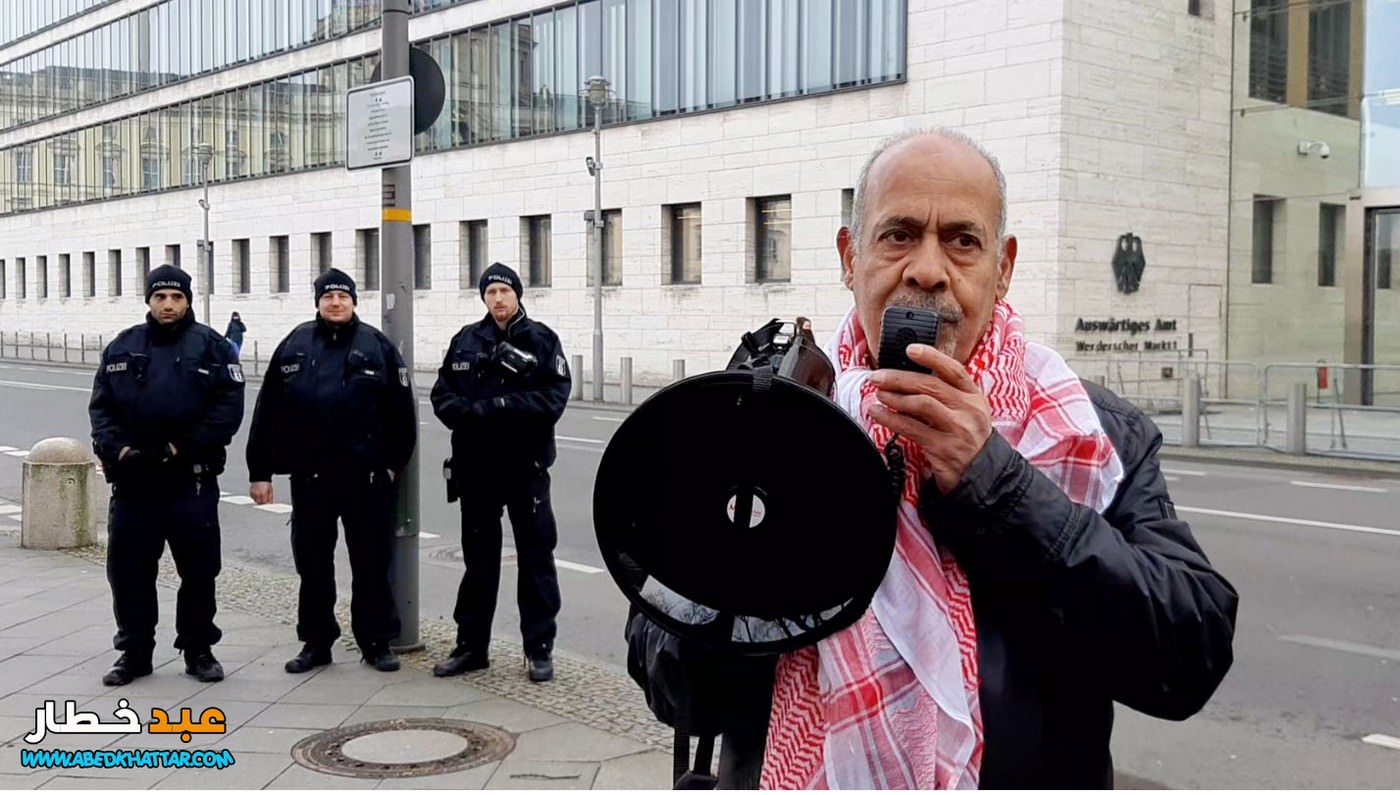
(1299, 400)
(1226, 395)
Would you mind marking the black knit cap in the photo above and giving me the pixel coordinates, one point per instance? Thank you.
(168, 277)
(503, 274)
(335, 279)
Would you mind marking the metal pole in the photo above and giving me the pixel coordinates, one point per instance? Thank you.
(1191, 411)
(1297, 431)
(678, 369)
(577, 392)
(627, 380)
(208, 248)
(396, 286)
(598, 254)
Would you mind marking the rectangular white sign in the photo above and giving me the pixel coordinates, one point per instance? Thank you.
(379, 124)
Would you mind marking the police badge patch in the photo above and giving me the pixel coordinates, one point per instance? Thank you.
(235, 371)
(403, 377)
(561, 367)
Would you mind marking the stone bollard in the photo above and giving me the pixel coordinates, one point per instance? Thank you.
(60, 482)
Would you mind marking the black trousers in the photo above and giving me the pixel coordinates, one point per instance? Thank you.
(525, 496)
(148, 510)
(366, 508)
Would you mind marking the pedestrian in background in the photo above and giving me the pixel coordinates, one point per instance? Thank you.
(234, 334)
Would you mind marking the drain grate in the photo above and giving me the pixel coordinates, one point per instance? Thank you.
(403, 748)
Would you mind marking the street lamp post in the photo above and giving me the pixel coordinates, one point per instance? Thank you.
(598, 96)
(205, 152)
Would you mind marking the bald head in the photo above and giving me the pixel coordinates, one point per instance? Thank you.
(915, 143)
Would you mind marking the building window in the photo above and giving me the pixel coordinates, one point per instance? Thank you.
(4, 284)
(242, 266)
(42, 263)
(612, 249)
(321, 251)
(772, 239)
(537, 253)
(143, 265)
(475, 253)
(1331, 236)
(1265, 211)
(1329, 56)
(848, 206)
(423, 257)
(111, 170)
(21, 279)
(65, 276)
(150, 173)
(685, 249)
(24, 165)
(367, 253)
(62, 169)
(281, 264)
(89, 273)
(1387, 244)
(172, 256)
(114, 272)
(1268, 50)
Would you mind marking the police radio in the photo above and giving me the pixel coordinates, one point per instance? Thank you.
(515, 360)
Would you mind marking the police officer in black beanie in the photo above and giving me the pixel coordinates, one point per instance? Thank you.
(337, 413)
(502, 387)
(166, 401)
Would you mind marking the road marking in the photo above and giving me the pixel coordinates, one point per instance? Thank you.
(580, 439)
(274, 507)
(1195, 473)
(9, 509)
(1170, 478)
(1383, 740)
(17, 453)
(1342, 645)
(564, 564)
(236, 499)
(610, 419)
(1337, 486)
(47, 387)
(6, 448)
(1351, 528)
(428, 535)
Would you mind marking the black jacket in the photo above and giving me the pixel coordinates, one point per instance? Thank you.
(498, 416)
(335, 400)
(157, 386)
(1074, 611)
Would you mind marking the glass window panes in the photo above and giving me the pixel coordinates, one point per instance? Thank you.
(773, 239)
(685, 244)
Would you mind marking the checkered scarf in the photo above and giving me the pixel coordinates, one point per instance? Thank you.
(891, 702)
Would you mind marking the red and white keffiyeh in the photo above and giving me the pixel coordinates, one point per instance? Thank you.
(891, 702)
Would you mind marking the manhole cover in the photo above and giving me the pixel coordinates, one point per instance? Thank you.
(403, 748)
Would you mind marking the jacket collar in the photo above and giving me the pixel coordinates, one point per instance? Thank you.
(338, 333)
(520, 324)
(161, 334)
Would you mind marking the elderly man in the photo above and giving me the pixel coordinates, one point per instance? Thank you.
(1040, 574)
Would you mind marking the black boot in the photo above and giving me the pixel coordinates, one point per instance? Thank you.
(128, 666)
(381, 658)
(460, 661)
(311, 656)
(200, 664)
(541, 666)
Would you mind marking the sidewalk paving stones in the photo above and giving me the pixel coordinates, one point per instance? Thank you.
(588, 728)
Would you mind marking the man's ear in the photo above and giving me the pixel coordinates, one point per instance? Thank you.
(846, 250)
(1006, 267)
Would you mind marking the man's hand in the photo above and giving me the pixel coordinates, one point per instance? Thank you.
(261, 492)
(945, 413)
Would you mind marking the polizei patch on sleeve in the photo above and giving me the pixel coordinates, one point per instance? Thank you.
(561, 366)
(235, 371)
(403, 377)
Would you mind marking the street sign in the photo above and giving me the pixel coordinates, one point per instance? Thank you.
(379, 124)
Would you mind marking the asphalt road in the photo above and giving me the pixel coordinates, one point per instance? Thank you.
(1312, 701)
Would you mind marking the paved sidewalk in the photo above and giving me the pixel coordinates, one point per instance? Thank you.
(588, 729)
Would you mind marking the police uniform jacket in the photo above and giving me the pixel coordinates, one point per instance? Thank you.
(499, 416)
(157, 386)
(335, 400)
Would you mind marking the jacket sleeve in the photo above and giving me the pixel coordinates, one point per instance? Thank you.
(549, 395)
(1150, 616)
(400, 412)
(265, 432)
(108, 436)
(224, 411)
(452, 396)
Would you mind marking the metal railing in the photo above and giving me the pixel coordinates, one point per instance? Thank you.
(1298, 400)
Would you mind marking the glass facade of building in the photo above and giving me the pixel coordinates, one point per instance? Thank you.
(23, 18)
(511, 79)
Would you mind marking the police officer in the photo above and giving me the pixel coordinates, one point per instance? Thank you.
(166, 402)
(502, 387)
(337, 413)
